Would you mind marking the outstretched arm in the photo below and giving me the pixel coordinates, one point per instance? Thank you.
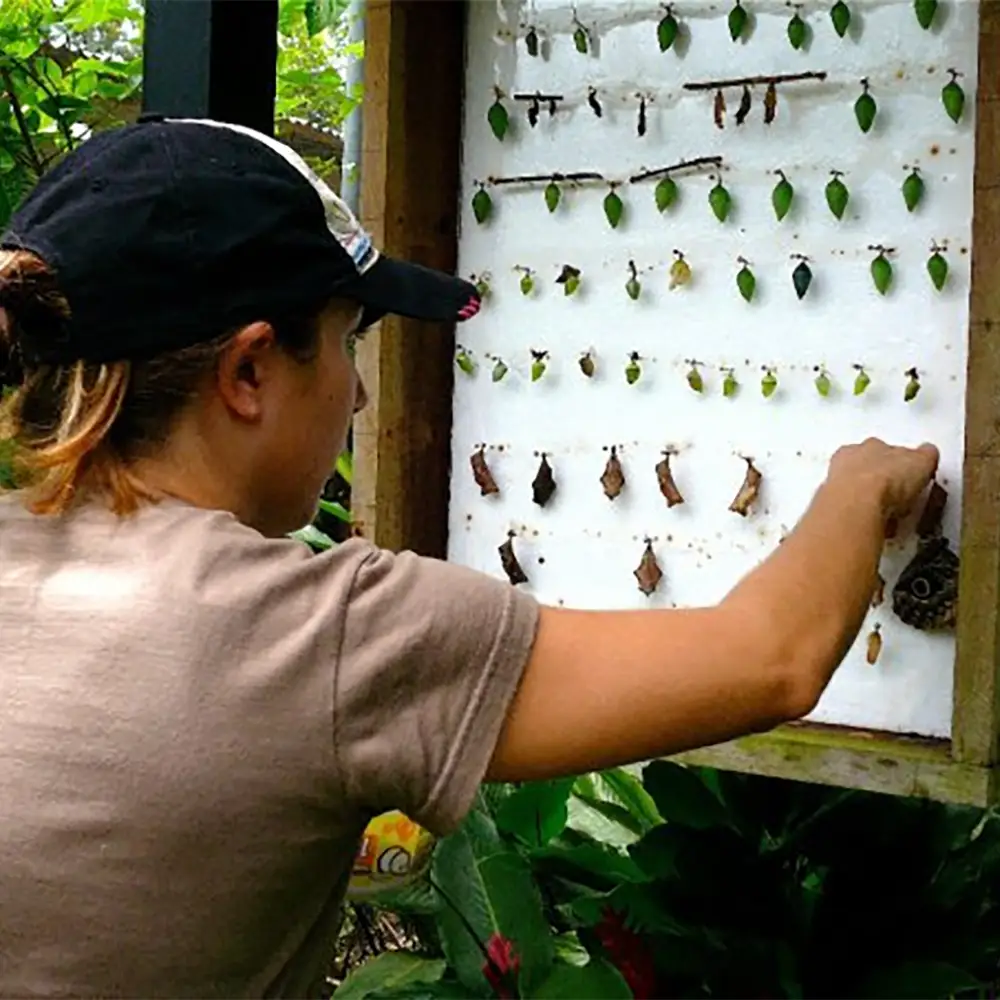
(608, 687)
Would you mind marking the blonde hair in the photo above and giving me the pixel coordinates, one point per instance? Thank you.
(76, 429)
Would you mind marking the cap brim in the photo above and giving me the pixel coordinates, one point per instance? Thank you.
(400, 288)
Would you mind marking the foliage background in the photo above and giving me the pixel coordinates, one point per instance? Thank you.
(69, 67)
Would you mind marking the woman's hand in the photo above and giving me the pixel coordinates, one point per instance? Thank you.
(898, 476)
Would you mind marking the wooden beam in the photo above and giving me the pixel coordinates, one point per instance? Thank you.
(413, 85)
(874, 762)
(212, 59)
(976, 718)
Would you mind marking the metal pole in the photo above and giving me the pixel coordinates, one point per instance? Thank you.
(350, 169)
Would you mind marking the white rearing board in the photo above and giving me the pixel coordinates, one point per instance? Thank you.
(581, 549)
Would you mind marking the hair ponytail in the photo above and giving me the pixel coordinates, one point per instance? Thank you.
(57, 420)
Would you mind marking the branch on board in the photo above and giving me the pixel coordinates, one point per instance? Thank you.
(582, 175)
(696, 163)
(751, 81)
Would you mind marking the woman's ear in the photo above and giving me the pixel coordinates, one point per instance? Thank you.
(246, 369)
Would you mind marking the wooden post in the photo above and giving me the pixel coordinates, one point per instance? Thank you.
(409, 183)
(211, 59)
(976, 719)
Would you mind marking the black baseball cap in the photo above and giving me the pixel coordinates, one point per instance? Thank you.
(167, 232)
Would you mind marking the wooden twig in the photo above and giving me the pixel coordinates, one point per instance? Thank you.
(538, 97)
(699, 161)
(37, 77)
(22, 125)
(751, 81)
(582, 175)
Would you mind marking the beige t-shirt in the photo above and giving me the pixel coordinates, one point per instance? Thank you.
(196, 724)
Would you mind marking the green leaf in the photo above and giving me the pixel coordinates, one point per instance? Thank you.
(620, 785)
(345, 466)
(413, 898)
(389, 970)
(569, 950)
(301, 76)
(318, 15)
(657, 853)
(588, 858)
(597, 980)
(336, 509)
(605, 821)
(918, 979)
(491, 886)
(682, 797)
(313, 537)
(536, 812)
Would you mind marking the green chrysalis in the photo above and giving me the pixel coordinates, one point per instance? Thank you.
(781, 196)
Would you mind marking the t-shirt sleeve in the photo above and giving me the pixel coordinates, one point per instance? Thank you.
(430, 659)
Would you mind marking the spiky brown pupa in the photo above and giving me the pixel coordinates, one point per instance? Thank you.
(933, 512)
(509, 561)
(648, 572)
(746, 103)
(544, 484)
(613, 477)
(770, 103)
(719, 109)
(748, 490)
(665, 477)
(482, 474)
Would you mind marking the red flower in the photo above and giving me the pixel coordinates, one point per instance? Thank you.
(629, 953)
(501, 966)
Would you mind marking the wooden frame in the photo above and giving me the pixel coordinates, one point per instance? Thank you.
(409, 203)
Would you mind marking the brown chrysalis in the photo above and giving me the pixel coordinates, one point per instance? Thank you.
(641, 126)
(544, 484)
(533, 111)
(746, 102)
(509, 561)
(873, 644)
(933, 513)
(648, 572)
(748, 491)
(481, 473)
(719, 108)
(770, 103)
(879, 596)
(613, 477)
(666, 480)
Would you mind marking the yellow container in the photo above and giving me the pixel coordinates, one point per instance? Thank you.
(394, 852)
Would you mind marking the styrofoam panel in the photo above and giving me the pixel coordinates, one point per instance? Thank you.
(581, 549)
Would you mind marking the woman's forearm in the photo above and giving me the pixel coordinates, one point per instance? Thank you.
(815, 589)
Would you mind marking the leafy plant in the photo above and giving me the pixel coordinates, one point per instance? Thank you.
(700, 883)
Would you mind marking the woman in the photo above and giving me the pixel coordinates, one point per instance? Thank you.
(198, 715)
